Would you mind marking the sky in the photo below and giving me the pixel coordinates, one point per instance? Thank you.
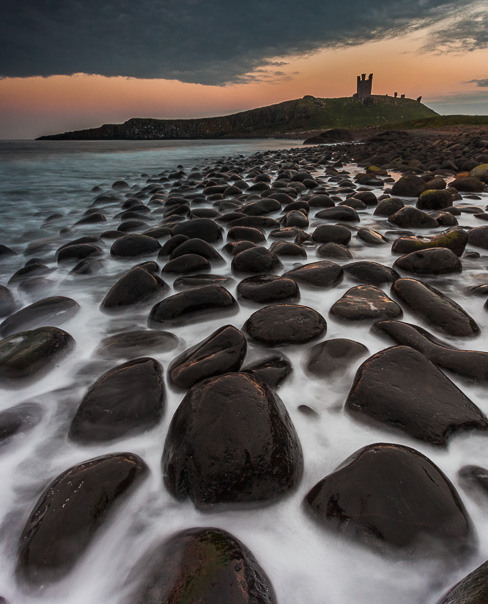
(71, 64)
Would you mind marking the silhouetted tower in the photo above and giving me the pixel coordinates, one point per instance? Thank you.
(364, 86)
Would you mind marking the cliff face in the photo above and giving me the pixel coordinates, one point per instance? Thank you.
(287, 117)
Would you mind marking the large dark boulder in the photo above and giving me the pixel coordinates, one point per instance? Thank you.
(478, 237)
(201, 565)
(78, 252)
(365, 302)
(130, 246)
(231, 441)
(335, 233)
(268, 288)
(135, 287)
(434, 261)
(195, 303)
(323, 273)
(243, 233)
(394, 499)
(188, 263)
(223, 351)
(435, 199)
(468, 184)
(20, 418)
(334, 356)
(280, 324)
(125, 400)
(49, 311)
(255, 260)
(409, 185)
(400, 387)
(412, 218)
(201, 228)
(472, 364)
(197, 246)
(70, 512)
(435, 308)
(132, 344)
(7, 302)
(454, 239)
(473, 589)
(26, 355)
(370, 273)
(272, 370)
(338, 213)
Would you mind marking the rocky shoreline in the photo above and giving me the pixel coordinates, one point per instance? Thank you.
(256, 233)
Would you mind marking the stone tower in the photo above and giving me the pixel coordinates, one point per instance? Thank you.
(364, 86)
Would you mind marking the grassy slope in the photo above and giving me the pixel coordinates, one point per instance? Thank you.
(440, 121)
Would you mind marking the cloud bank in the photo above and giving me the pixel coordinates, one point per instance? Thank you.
(199, 41)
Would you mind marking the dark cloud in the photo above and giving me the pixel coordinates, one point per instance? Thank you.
(204, 41)
(480, 83)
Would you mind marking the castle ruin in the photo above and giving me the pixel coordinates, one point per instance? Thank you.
(364, 87)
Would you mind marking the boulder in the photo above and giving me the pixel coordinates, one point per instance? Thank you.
(272, 371)
(26, 355)
(281, 324)
(135, 287)
(48, 311)
(473, 589)
(195, 303)
(255, 260)
(132, 344)
(435, 308)
(202, 228)
(478, 237)
(434, 261)
(71, 511)
(409, 185)
(268, 288)
(370, 273)
(400, 387)
(223, 351)
(335, 233)
(365, 302)
(7, 302)
(197, 246)
(334, 250)
(339, 213)
(412, 218)
(468, 184)
(454, 239)
(124, 401)
(323, 273)
(435, 199)
(201, 565)
(334, 356)
(231, 441)
(131, 246)
(188, 263)
(393, 499)
(18, 419)
(387, 207)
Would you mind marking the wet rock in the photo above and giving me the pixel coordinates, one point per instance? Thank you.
(192, 303)
(78, 252)
(130, 246)
(478, 237)
(435, 199)
(221, 352)
(231, 441)
(371, 237)
(445, 219)
(7, 302)
(400, 387)
(412, 218)
(190, 281)
(201, 228)
(124, 401)
(393, 499)
(387, 207)
(268, 288)
(52, 311)
(258, 222)
(435, 308)
(20, 418)
(209, 564)
(334, 233)
(321, 201)
(6, 252)
(272, 371)
(454, 239)
(333, 356)
(255, 260)
(188, 263)
(472, 364)
(197, 246)
(365, 302)
(409, 186)
(469, 184)
(171, 245)
(135, 287)
(261, 207)
(132, 344)
(31, 269)
(370, 273)
(317, 274)
(334, 250)
(71, 511)
(474, 479)
(473, 589)
(338, 213)
(92, 218)
(288, 249)
(435, 261)
(235, 247)
(88, 266)
(281, 324)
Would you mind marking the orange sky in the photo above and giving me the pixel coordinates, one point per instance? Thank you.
(30, 107)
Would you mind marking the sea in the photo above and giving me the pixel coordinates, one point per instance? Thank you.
(45, 187)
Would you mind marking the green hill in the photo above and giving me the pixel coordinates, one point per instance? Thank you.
(299, 115)
(441, 121)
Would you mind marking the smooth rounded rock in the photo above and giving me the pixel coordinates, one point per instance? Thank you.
(255, 260)
(334, 356)
(436, 261)
(132, 344)
(231, 441)
(135, 287)
(323, 273)
(272, 371)
(18, 419)
(473, 589)
(202, 228)
(365, 302)
(370, 273)
(267, 288)
(7, 301)
(130, 246)
(52, 311)
(281, 324)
